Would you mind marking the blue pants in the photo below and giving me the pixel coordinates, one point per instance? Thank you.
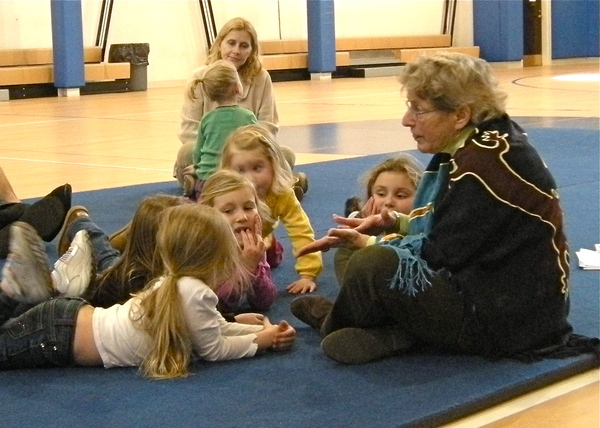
(105, 254)
(40, 337)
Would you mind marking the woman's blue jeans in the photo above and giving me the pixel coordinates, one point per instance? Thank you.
(40, 337)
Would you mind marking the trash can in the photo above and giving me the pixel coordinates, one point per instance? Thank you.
(136, 54)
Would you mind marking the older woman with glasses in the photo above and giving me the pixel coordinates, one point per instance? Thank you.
(481, 265)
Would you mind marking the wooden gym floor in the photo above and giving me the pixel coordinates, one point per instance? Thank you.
(112, 140)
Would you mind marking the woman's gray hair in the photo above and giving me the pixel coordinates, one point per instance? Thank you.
(451, 80)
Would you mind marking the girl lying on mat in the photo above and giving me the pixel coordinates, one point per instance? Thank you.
(483, 264)
(161, 329)
(391, 185)
(235, 197)
(122, 274)
(85, 249)
(252, 151)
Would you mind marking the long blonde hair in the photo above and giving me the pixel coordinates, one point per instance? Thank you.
(219, 82)
(196, 241)
(252, 137)
(140, 261)
(252, 66)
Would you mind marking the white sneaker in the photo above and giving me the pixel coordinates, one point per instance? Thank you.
(74, 270)
(26, 273)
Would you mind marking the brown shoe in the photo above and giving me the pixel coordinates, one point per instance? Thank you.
(118, 240)
(362, 345)
(311, 310)
(299, 193)
(189, 185)
(63, 236)
(301, 181)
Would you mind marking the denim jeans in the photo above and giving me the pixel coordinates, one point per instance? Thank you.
(105, 254)
(40, 337)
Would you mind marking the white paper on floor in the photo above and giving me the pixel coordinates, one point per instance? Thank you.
(589, 259)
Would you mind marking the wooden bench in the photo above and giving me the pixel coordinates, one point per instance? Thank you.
(293, 54)
(392, 43)
(34, 66)
(291, 61)
(409, 55)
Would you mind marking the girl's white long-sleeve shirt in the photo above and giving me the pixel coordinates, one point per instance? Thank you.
(121, 343)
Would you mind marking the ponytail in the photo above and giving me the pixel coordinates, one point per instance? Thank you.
(162, 317)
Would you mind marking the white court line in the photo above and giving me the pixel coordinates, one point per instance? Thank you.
(308, 100)
(87, 164)
(62, 119)
(116, 116)
(42, 121)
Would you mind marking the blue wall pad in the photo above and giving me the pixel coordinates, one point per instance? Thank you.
(498, 29)
(575, 29)
(67, 43)
(321, 36)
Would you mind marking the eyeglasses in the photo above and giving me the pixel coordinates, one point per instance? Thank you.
(417, 112)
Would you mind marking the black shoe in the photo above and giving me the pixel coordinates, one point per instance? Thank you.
(9, 213)
(352, 205)
(48, 214)
(311, 310)
(362, 345)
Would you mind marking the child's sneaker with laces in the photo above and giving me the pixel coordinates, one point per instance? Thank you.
(75, 269)
(26, 273)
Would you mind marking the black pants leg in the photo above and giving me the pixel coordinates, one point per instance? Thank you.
(433, 316)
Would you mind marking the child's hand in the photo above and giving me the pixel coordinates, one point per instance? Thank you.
(265, 337)
(277, 337)
(189, 170)
(370, 208)
(253, 246)
(303, 285)
(285, 337)
(250, 318)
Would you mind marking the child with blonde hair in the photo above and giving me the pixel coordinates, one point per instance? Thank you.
(173, 321)
(222, 84)
(121, 272)
(234, 196)
(391, 184)
(252, 151)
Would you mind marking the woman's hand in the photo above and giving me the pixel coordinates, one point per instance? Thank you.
(303, 285)
(375, 224)
(335, 238)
